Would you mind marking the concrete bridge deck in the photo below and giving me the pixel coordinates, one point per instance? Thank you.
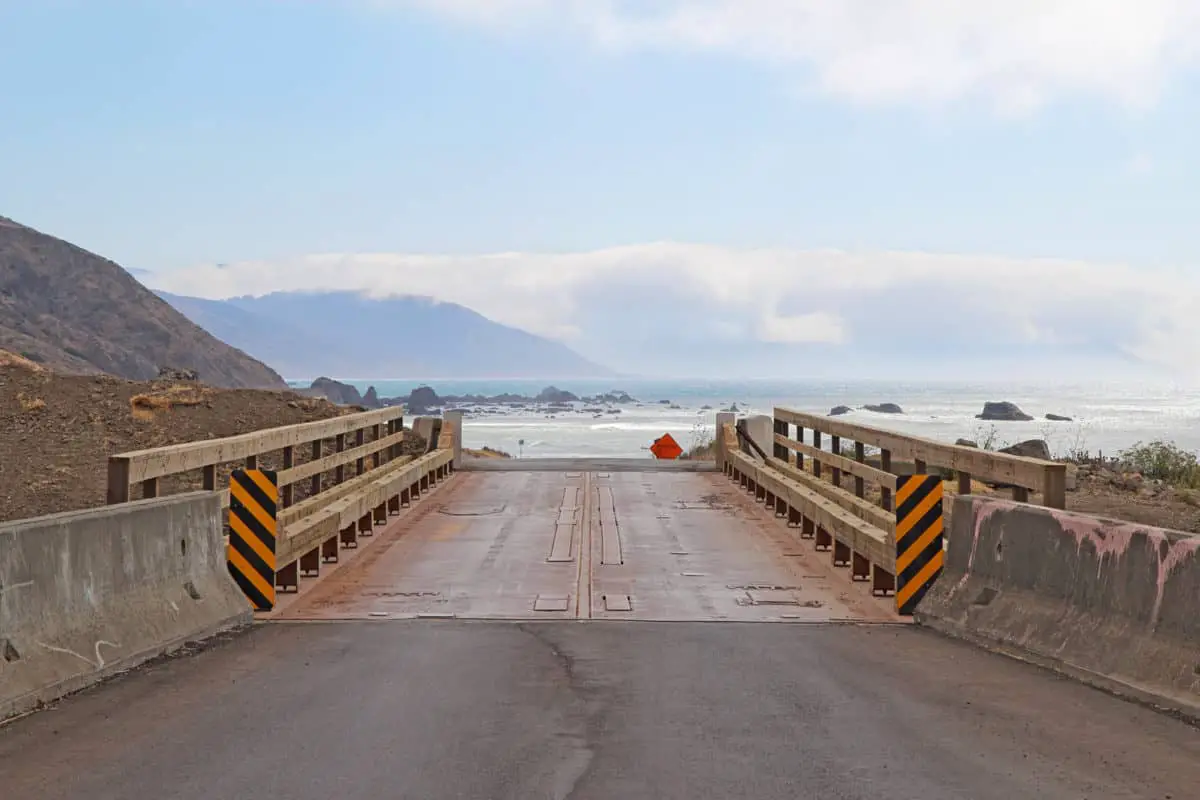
(588, 544)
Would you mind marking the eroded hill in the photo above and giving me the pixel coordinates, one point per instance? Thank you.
(66, 308)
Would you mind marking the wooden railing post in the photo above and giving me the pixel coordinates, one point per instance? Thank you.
(835, 444)
(315, 485)
(781, 428)
(339, 445)
(816, 444)
(885, 494)
(1054, 488)
(860, 455)
(287, 492)
(118, 480)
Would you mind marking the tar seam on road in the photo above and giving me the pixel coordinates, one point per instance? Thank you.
(583, 583)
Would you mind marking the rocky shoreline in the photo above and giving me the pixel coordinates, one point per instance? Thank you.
(551, 400)
(993, 411)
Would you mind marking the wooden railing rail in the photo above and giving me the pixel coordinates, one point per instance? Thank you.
(858, 534)
(855, 525)
(316, 518)
(356, 440)
(1019, 473)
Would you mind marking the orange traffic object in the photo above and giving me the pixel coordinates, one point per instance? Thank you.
(666, 448)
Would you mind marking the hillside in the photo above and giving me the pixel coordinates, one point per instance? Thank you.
(304, 335)
(57, 431)
(74, 311)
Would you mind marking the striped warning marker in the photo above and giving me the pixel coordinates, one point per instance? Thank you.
(919, 548)
(253, 498)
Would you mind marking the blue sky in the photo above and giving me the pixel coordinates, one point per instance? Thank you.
(172, 136)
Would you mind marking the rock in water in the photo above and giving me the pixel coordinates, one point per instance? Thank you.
(838, 411)
(371, 398)
(1058, 418)
(421, 400)
(335, 392)
(554, 395)
(1003, 412)
(967, 443)
(1033, 448)
(884, 408)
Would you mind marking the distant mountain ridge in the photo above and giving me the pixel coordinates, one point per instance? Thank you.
(344, 334)
(75, 311)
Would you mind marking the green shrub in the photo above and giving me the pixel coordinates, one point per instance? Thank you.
(1164, 461)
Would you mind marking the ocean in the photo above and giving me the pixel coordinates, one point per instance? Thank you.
(1106, 417)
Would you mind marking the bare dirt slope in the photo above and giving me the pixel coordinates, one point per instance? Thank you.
(57, 431)
(74, 311)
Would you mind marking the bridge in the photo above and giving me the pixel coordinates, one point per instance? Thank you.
(355, 608)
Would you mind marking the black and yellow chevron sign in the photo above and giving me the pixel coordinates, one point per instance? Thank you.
(919, 534)
(253, 499)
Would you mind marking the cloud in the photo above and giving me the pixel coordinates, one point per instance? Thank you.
(664, 305)
(1140, 165)
(821, 326)
(1016, 55)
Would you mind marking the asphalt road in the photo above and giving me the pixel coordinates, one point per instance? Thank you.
(589, 710)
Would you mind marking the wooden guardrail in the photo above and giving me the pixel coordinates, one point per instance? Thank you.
(316, 517)
(868, 546)
(316, 538)
(1021, 474)
(859, 529)
(305, 455)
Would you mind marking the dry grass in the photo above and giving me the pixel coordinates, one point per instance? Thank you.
(8, 359)
(486, 452)
(145, 406)
(30, 404)
(705, 451)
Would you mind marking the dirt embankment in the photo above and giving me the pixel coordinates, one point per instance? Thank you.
(57, 431)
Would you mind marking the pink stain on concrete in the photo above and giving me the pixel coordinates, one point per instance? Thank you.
(1108, 537)
(982, 510)
(1178, 551)
(1113, 538)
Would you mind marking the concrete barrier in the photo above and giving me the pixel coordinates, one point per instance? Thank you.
(452, 425)
(87, 594)
(1111, 603)
(425, 428)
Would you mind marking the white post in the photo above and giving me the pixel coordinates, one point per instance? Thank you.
(761, 430)
(455, 420)
(723, 418)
